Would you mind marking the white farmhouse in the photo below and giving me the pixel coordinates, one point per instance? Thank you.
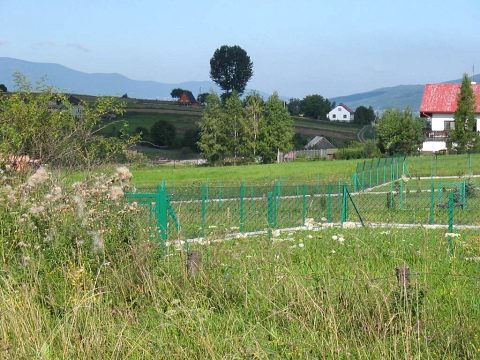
(341, 113)
(439, 104)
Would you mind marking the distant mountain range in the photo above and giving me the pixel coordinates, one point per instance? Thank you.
(78, 82)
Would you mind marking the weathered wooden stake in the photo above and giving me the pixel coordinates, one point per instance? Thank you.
(403, 275)
(194, 263)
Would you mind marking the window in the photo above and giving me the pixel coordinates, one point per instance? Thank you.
(334, 116)
(344, 116)
(449, 125)
(339, 109)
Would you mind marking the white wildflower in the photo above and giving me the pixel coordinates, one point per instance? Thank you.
(349, 225)
(21, 244)
(37, 210)
(116, 193)
(385, 233)
(473, 258)
(453, 235)
(333, 252)
(124, 173)
(335, 237)
(310, 236)
(25, 260)
(341, 239)
(98, 244)
(212, 226)
(38, 178)
(301, 245)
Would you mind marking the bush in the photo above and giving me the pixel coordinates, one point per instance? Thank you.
(163, 133)
(358, 150)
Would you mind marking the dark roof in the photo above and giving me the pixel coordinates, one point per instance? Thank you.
(442, 98)
(346, 108)
(189, 96)
(319, 142)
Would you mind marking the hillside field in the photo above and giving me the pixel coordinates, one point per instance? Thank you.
(144, 113)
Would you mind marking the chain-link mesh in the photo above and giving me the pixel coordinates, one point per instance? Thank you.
(380, 192)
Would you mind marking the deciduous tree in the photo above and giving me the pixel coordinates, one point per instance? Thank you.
(399, 132)
(276, 133)
(364, 115)
(213, 136)
(163, 133)
(231, 68)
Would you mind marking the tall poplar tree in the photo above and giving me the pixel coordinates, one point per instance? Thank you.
(213, 136)
(276, 132)
(464, 137)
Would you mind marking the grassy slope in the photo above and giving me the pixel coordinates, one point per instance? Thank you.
(259, 174)
(144, 113)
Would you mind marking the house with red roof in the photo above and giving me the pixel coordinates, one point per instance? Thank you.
(439, 104)
(341, 112)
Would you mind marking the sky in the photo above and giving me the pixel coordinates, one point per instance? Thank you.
(297, 47)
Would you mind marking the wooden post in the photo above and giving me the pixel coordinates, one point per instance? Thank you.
(194, 263)
(403, 275)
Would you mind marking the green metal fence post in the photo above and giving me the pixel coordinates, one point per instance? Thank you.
(304, 204)
(270, 206)
(344, 214)
(431, 218)
(242, 209)
(329, 203)
(161, 214)
(204, 194)
(354, 181)
(401, 196)
(450, 222)
(470, 172)
(384, 173)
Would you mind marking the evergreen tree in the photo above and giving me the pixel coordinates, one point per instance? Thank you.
(276, 133)
(464, 137)
(213, 136)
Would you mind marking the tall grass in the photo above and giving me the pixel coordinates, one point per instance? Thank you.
(325, 294)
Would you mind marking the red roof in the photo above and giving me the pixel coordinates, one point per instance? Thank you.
(346, 108)
(442, 98)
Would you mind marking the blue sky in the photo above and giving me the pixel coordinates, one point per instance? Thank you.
(297, 47)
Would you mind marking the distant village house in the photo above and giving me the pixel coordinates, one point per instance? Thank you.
(187, 98)
(439, 104)
(341, 113)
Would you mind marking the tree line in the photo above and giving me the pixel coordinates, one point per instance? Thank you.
(236, 130)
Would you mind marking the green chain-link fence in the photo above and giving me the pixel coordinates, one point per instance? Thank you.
(380, 192)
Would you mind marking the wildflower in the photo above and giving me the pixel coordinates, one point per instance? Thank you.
(55, 194)
(310, 236)
(349, 225)
(98, 244)
(385, 233)
(25, 260)
(116, 193)
(453, 235)
(474, 258)
(301, 245)
(124, 173)
(21, 244)
(323, 219)
(38, 178)
(333, 252)
(341, 239)
(37, 210)
(335, 237)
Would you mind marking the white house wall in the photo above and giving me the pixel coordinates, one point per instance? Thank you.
(434, 146)
(339, 113)
(438, 121)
